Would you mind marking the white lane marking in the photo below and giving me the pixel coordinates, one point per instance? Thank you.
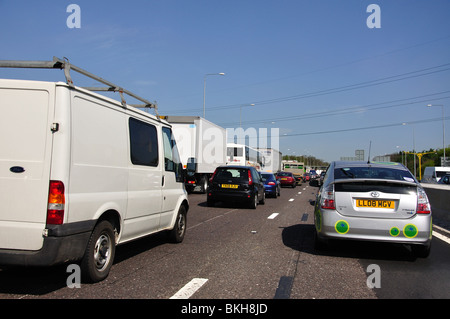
(291, 200)
(273, 216)
(189, 289)
(441, 237)
(299, 193)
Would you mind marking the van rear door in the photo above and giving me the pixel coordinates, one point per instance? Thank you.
(27, 109)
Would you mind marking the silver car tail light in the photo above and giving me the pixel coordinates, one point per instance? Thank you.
(423, 205)
(327, 199)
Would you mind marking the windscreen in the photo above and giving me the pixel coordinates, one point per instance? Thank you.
(234, 174)
(370, 172)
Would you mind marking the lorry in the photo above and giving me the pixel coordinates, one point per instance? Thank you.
(296, 168)
(272, 160)
(81, 173)
(433, 174)
(202, 146)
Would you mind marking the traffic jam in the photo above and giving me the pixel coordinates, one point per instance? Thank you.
(113, 188)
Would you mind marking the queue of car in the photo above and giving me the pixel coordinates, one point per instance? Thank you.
(361, 201)
(242, 184)
(245, 185)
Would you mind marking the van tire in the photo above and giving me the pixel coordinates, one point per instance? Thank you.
(99, 255)
(176, 235)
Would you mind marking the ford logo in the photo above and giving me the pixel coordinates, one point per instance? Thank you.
(375, 194)
(17, 169)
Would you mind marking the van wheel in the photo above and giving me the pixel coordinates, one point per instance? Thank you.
(176, 235)
(99, 255)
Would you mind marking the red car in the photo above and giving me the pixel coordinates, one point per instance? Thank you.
(286, 179)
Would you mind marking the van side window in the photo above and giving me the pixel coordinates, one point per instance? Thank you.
(172, 162)
(143, 143)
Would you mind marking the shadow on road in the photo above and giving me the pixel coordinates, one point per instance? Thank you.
(38, 281)
(32, 280)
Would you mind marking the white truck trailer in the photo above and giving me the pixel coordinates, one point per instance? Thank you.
(202, 146)
(272, 160)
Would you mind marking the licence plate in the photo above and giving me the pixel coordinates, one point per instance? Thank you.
(229, 186)
(375, 203)
(284, 179)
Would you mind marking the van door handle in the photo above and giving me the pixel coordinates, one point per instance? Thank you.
(162, 181)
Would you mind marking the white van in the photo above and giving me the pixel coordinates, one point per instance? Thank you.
(434, 174)
(81, 173)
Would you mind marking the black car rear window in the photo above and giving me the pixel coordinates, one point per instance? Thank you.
(268, 177)
(372, 173)
(235, 174)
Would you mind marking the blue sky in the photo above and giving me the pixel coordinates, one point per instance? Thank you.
(312, 68)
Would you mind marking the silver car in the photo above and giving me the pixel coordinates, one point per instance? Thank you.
(373, 201)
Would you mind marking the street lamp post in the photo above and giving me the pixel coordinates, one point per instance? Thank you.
(204, 91)
(443, 129)
(419, 155)
(240, 113)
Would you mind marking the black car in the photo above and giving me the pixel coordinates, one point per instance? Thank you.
(236, 184)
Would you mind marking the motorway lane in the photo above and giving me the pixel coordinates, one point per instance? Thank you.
(244, 254)
(241, 252)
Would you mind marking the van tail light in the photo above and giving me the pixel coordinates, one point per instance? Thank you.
(250, 181)
(423, 205)
(56, 202)
(327, 199)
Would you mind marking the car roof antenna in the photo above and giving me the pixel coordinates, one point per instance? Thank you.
(370, 147)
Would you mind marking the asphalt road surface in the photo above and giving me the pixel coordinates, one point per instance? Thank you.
(232, 252)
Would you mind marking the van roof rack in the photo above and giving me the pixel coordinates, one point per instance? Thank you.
(64, 64)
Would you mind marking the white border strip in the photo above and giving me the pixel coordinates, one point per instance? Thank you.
(441, 237)
(189, 289)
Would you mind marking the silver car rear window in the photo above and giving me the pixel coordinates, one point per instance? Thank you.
(370, 172)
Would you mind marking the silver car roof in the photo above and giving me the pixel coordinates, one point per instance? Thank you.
(392, 165)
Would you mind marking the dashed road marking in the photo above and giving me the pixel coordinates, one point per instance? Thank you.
(441, 237)
(190, 288)
(273, 216)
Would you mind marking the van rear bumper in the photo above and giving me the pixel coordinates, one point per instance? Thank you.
(64, 243)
